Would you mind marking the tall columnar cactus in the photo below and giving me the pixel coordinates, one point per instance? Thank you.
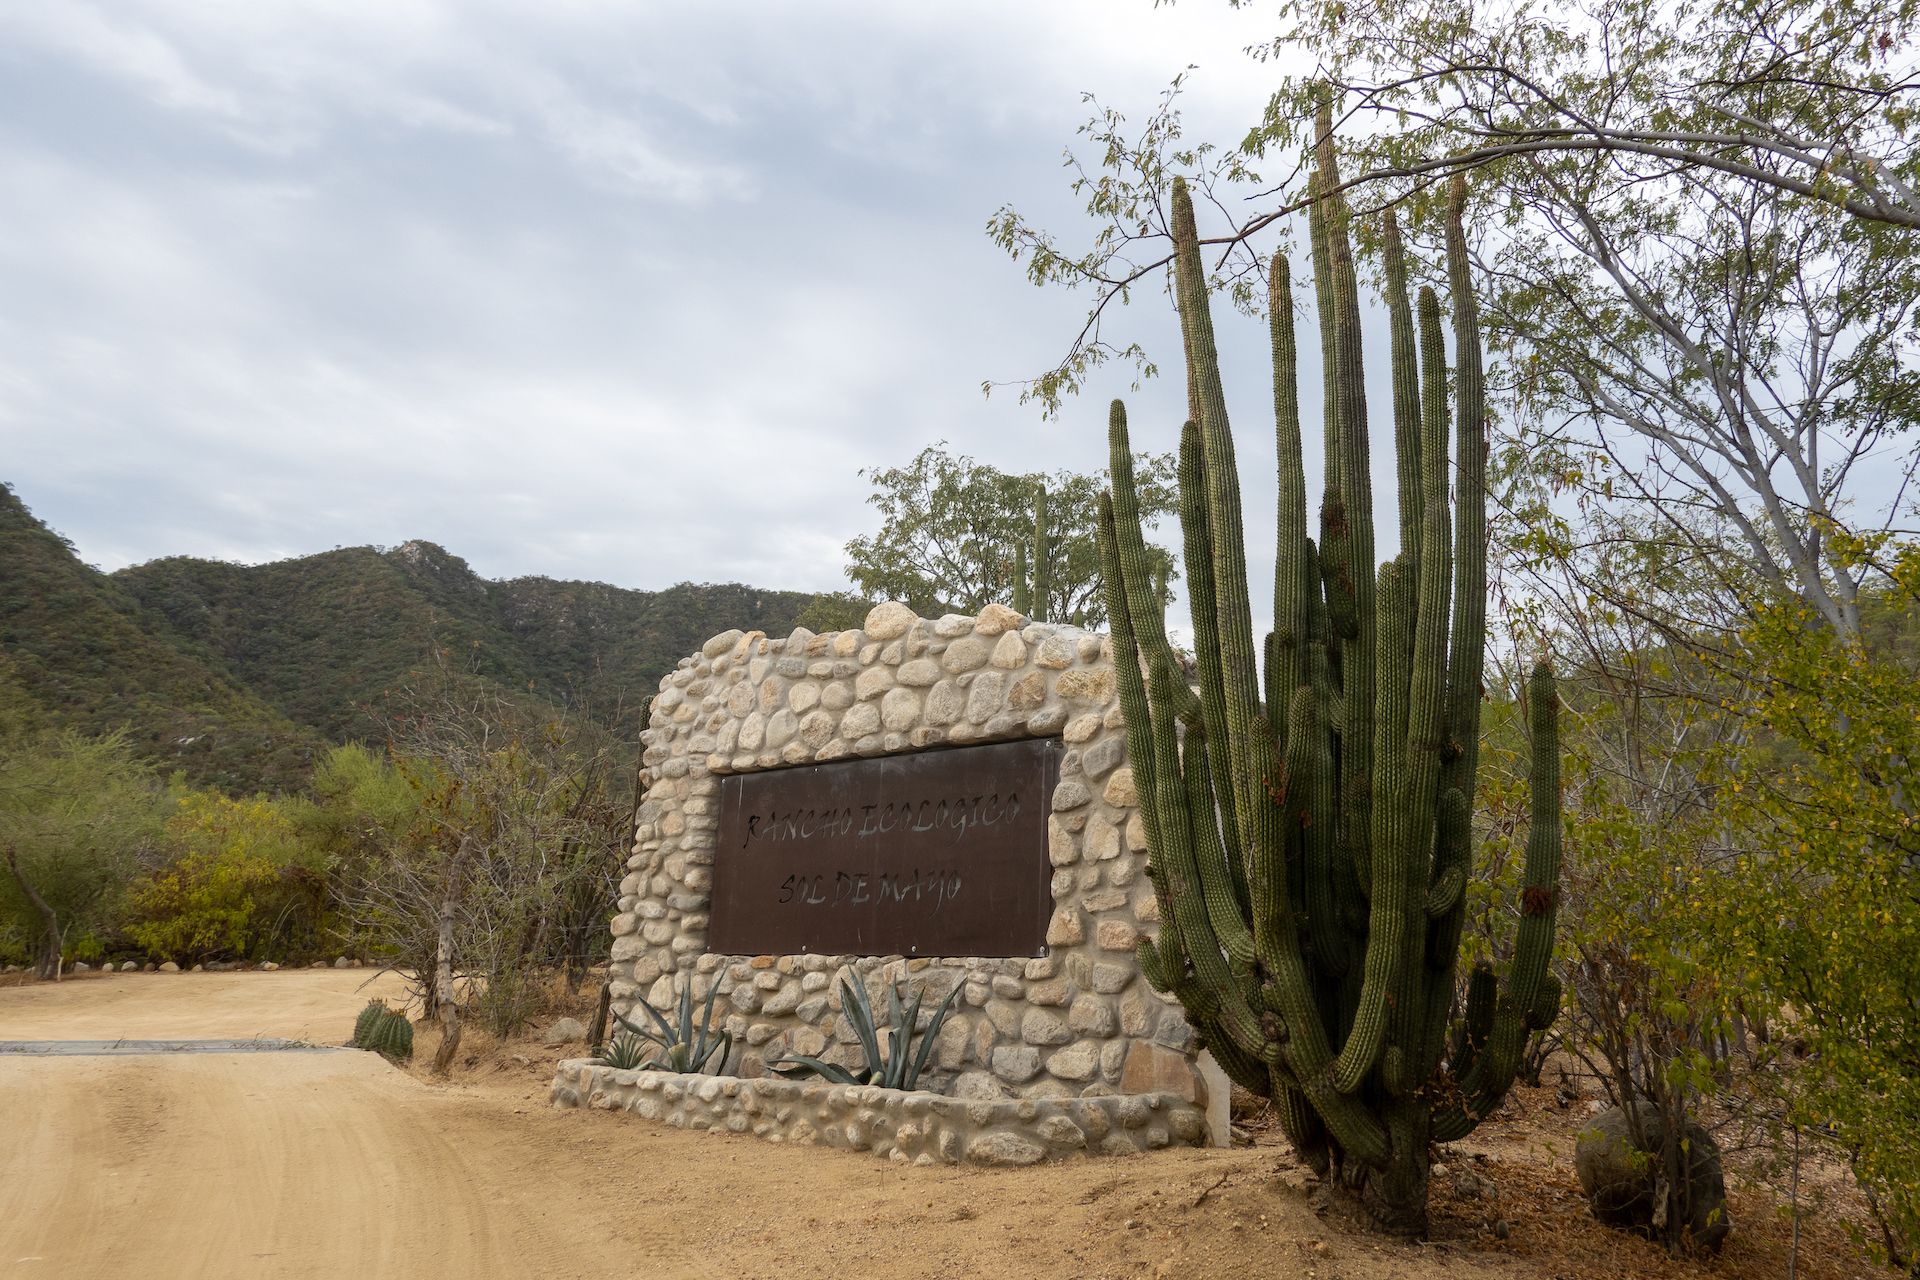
(1310, 841)
(1042, 555)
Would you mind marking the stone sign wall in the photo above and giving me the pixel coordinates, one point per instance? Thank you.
(1078, 1020)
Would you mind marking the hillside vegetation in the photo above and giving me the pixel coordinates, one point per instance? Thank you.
(238, 675)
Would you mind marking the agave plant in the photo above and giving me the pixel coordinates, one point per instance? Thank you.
(686, 1047)
(625, 1052)
(901, 1065)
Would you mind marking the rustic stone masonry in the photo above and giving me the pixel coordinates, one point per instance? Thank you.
(1079, 1021)
(912, 1128)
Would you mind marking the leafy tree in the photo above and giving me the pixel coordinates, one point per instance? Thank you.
(76, 816)
(956, 535)
(1698, 276)
(1740, 846)
(510, 859)
(1815, 102)
(242, 881)
(834, 611)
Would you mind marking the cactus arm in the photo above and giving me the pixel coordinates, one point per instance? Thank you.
(1289, 989)
(1546, 1006)
(1427, 694)
(1222, 998)
(1466, 647)
(1449, 883)
(1447, 912)
(1146, 604)
(1392, 844)
(1225, 898)
(1291, 582)
(1126, 660)
(1238, 671)
(1406, 399)
(1379, 854)
(1470, 1036)
(1540, 894)
(1329, 358)
(1393, 657)
(1492, 1071)
(1525, 998)
(1196, 525)
(1022, 593)
(1468, 655)
(1275, 701)
(1270, 882)
(1356, 496)
(1423, 813)
(1336, 572)
(1134, 708)
(1326, 929)
(1302, 1125)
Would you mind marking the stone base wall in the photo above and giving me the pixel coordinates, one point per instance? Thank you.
(1079, 1020)
(910, 1128)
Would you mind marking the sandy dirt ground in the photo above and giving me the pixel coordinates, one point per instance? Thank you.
(307, 1004)
(336, 1164)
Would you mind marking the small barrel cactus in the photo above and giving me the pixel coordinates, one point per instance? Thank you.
(385, 1031)
(364, 1023)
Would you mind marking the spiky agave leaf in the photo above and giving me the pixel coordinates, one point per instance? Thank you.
(859, 1011)
(625, 1052)
(829, 1071)
(705, 1030)
(912, 1077)
(664, 1036)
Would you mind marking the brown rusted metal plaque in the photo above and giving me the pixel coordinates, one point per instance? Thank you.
(940, 853)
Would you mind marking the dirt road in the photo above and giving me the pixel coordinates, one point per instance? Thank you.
(285, 1164)
(316, 1005)
(209, 1166)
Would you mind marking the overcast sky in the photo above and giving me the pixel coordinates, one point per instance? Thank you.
(624, 292)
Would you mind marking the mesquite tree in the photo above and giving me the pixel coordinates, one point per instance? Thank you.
(1311, 842)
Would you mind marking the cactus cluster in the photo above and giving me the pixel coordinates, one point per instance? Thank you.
(384, 1031)
(1309, 833)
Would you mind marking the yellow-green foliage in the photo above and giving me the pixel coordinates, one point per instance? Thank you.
(235, 861)
(1825, 905)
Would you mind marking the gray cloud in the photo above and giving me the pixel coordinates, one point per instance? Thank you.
(593, 290)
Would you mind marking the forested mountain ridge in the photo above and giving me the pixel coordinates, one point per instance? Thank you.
(78, 651)
(237, 673)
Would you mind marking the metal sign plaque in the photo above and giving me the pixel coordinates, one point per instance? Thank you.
(940, 853)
